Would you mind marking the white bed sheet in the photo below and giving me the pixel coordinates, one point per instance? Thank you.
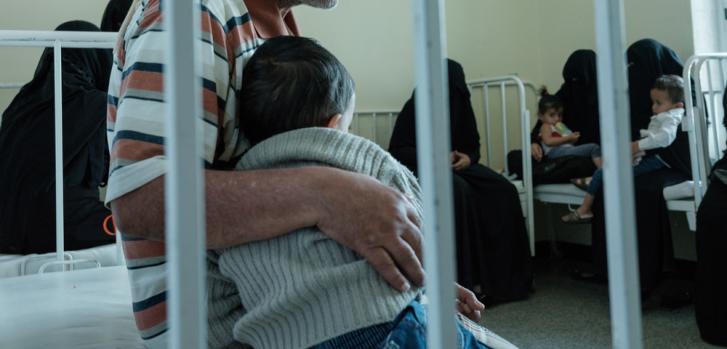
(15, 265)
(79, 309)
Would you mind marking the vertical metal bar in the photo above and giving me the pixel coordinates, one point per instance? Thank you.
(488, 126)
(58, 105)
(433, 148)
(700, 129)
(375, 136)
(691, 128)
(712, 113)
(527, 163)
(505, 143)
(391, 129)
(721, 85)
(185, 223)
(358, 124)
(618, 176)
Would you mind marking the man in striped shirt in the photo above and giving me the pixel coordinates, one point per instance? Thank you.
(242, 207)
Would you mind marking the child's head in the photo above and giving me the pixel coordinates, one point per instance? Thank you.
(291, 83)
(549, 108)
(667, 94)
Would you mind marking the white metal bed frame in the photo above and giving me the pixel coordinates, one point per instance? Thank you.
(58, 40)
(706, 141)
(187, 313)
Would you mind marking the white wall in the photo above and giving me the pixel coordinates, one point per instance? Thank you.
(373, 38)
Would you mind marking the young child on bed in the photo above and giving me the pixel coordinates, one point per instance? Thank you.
(667, 104)
(303, 289)
(556, 138)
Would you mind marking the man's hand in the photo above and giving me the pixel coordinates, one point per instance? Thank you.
(468, 305)
(460, 161)
(536, 151)
(378, 223)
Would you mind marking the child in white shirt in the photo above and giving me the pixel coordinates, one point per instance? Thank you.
(667, 97)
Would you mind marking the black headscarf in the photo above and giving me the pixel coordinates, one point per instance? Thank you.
(648, 60)
(463, 127)
(27, 180)
(114, 15)
(579, 95)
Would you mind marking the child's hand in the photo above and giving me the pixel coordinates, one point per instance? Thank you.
(468, 305)
(574, 136)
(635, 148)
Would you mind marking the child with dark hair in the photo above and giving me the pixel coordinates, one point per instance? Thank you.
(303, 289)
(667, 104)
(293, 83)
(555, 137)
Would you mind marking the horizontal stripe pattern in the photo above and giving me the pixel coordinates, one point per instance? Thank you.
(136, 127)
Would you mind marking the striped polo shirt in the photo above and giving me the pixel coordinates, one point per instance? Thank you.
(136, 127)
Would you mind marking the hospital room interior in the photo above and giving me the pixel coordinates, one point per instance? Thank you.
(576, 182)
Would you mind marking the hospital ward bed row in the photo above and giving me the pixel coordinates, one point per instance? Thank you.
(706, 138)
(90, 308)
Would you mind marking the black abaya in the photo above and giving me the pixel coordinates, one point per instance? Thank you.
(648, 60)
(710, 306)
(579, 95)
(27, 180)
(492, 242)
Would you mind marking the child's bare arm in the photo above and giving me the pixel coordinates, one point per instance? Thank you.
(551, 141)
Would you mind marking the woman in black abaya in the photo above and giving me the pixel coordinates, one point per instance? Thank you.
(648, 60)
(493, 255)
(27, 182)
(710, 306)
(579, 95)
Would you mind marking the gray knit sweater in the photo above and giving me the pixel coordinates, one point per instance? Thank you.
(303, 288)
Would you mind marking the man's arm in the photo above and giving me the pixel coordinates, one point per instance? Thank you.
(243, 206)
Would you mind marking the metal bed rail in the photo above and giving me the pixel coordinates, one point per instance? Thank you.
(10, 85)
(501, 84)
(706, 138)
(366, 123)
(57, 40)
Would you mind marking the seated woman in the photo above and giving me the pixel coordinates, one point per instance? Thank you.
(579, 97)
(27, 180)
(710, 305)
(493, 255)
(648, 60)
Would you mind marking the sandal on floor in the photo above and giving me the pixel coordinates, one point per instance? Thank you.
(581, 183)
(575, 218)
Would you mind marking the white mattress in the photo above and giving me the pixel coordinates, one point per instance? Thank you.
(19, 265)
(79, 309)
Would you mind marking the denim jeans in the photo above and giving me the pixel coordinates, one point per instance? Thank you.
(407, 331)
(648, 164)
(588, 150)
(410, 331)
